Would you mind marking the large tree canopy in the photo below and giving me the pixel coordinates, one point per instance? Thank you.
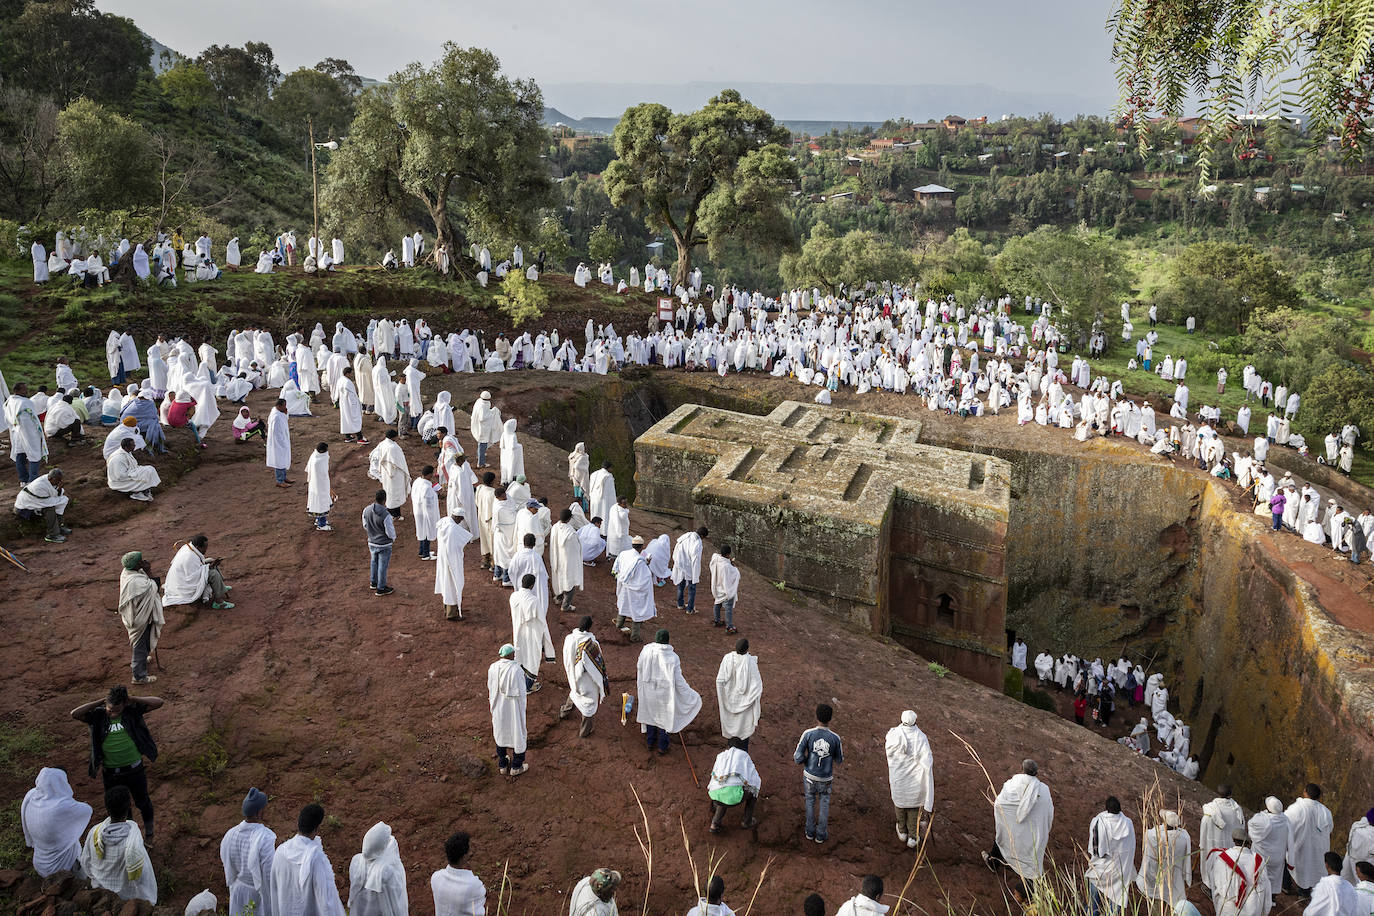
(704, 176)
(1222, 283)
(108, 158)
(243, 77)
(67, 48)
(460, 137)
(306, 95)
(1083, 273)
(831, 261)
(1264, 56)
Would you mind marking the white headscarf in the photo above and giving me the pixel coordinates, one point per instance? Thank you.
(378, 870)
(53, 822)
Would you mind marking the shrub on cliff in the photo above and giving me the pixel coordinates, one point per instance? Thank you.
(520, 299)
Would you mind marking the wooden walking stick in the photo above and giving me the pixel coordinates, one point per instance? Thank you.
(689, 760)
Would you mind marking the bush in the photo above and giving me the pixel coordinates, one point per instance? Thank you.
(1013, 683)
(1343, 393)
(520, 299)
(12, 246)
(1039, 699)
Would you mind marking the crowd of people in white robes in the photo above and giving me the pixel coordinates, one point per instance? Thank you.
(965, 361)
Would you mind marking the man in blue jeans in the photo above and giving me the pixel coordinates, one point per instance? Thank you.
(818, 751)
(381, 534)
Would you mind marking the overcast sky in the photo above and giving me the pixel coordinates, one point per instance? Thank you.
(1057, 48)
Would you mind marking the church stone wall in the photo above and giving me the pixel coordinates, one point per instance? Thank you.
(850, 507)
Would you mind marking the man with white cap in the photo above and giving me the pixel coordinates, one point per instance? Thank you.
(506, 692)
(634, 590)
(485, 426)
(246, 851)
(1166, 865)
(1269, 838)
(910, 773)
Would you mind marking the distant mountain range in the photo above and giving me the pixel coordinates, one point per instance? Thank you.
(816, 107)
(553, 116)
(809, 108)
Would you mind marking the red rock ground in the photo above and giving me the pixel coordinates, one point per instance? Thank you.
(313, 689)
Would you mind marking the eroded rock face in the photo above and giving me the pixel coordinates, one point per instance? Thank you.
(1110, 551)
(899, 537)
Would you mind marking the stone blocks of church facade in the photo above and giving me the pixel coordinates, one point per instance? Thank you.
(903, 539)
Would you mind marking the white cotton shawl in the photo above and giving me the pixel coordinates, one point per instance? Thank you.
(377, 877)
(186, 577)
(53, 822)
(665, 698)
(739, 693)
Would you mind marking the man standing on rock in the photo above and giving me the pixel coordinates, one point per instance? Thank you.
(1221, 817)
(1309, 840)
(911, 776)
(506, 690)
(739, 693)
(817, 752)
(1023, 814)
(667, 704)
(119, 743)
(246, 851)
(302, 879)
(586, 671)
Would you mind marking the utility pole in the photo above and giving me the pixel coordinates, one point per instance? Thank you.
(315, 183)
